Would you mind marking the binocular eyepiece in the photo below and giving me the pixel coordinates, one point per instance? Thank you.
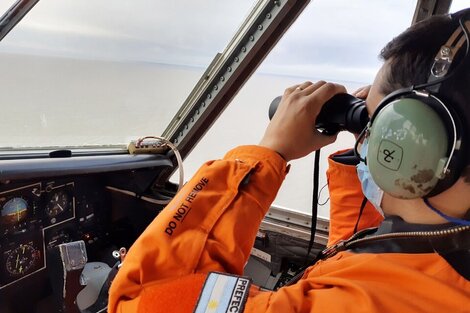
(341, 112)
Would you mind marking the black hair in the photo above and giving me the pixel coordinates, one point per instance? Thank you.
(410, 57)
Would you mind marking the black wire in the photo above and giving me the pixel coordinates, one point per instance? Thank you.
(361, 210)
(313, 225)
(319, 195)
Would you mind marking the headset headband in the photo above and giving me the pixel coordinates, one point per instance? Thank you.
(445, 56)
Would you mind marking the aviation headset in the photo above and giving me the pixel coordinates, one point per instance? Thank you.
(414, 137)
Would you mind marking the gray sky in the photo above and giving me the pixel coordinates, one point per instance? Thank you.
(332, 39)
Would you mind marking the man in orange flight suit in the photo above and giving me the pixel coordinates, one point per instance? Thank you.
(211, 224)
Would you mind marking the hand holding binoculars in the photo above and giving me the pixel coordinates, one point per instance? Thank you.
(342, 112)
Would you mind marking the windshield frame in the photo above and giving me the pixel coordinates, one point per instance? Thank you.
(229, 71)
(14, 15)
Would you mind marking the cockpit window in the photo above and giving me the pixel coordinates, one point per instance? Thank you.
(333, 40)
(458, 5)
(88, 73)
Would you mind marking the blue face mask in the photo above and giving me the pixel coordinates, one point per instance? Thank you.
(371, 191)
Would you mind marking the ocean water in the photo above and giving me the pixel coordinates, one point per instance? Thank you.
(49, 101)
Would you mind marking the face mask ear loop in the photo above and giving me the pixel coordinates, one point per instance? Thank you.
(356, 145)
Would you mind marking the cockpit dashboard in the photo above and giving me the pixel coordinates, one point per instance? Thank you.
(75, 199)
(35, 218)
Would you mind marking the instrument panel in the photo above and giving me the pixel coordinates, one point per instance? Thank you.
(35, 218)
(45, 202)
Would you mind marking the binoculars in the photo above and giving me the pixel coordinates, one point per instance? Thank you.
(341, 112)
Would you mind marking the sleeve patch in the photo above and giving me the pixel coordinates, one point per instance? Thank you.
(223, 293)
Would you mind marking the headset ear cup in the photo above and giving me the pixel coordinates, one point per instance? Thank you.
(408, 148)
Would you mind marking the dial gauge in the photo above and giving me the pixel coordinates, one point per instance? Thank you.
(58, 203)
(14, 211)
(21, 260)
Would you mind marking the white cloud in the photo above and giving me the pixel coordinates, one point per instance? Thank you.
(329, 72)
(124, 28)
(71, 29)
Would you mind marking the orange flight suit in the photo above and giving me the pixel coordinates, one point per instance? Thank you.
(211, 226)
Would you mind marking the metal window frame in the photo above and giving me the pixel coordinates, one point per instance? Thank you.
(229, 70)
(14, 15)
(428, 8)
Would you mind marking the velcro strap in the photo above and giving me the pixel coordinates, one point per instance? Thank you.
(177, 295)
(223, 293)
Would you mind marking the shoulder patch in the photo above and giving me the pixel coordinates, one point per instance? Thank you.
(223, 293)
